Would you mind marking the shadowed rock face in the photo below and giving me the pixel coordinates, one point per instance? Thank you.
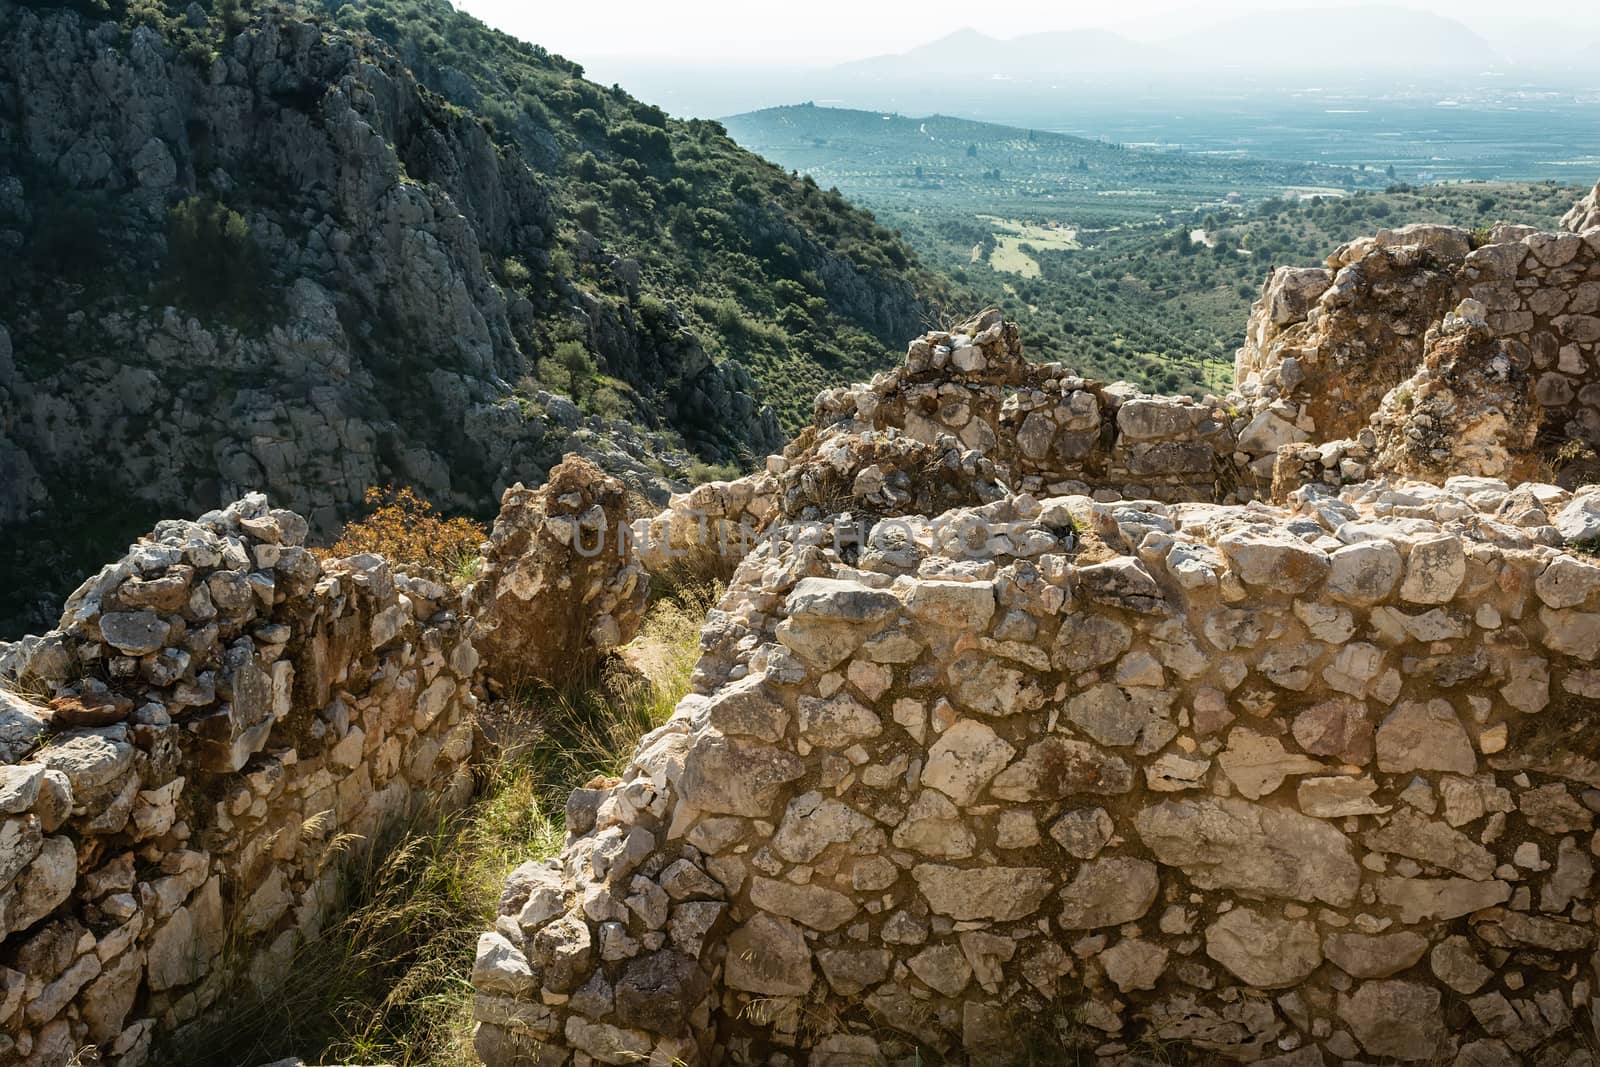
(559, 584)
(1235, 777)
(387, 332)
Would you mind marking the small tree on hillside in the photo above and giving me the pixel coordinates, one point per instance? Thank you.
(233, 14)
(211, 255)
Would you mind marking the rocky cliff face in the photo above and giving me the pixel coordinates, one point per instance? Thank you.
(378, 276)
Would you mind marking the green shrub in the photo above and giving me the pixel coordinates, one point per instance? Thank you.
(589, 121)
(514, 273)
(212, 259)
(627, 193)
(569, 368)
(608, 403)
(646, 142)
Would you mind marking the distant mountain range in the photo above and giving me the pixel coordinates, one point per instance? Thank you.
(1194, 65)
(1395, 41)
(1035, 55)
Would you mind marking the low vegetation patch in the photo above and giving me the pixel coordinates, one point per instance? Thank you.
(406, 529)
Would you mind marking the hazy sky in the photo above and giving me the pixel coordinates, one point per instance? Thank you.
(825, 31)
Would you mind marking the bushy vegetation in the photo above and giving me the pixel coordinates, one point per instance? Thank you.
(405, 529)
(212, 258)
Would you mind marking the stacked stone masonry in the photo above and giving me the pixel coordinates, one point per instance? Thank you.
(219, 722)
(1043, 428)
(1426, 351)
(964, 421)
(1326, 345)
(1299, 785)
(558, 585)
(1100, 754)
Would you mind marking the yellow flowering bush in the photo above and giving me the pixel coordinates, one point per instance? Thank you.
(405, 529)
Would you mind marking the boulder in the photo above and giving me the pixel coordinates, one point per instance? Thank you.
(559, 583)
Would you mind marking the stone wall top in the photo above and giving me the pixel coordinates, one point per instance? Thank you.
(215, 711)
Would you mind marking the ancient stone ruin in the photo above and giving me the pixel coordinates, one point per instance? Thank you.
(1039, 715)
(1045, 715)
(558, 584)
(216, 711)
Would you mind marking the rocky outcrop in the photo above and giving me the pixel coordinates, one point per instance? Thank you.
(1585, 214)
(1325, 347)
(217, 721)
(1099, 770)
(382, 344)
(559, 583)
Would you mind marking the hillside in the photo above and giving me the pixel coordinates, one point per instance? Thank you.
(1122, 261)
(904, 163)
(315, 248)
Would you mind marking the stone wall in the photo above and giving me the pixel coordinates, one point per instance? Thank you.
(215, 717)
(1045, 429)
(1292, 786)
(1424, 352)
(963, 421)
(1325, 345)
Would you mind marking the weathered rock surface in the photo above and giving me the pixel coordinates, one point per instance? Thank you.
(1585, 214)
(1493, 342)
(558, 584)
